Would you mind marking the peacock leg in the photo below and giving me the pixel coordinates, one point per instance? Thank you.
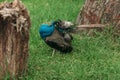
(53, 52)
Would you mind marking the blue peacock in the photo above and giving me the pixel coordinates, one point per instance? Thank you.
(57, 35)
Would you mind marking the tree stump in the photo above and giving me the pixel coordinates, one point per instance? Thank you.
(100, 12)
(14, 37)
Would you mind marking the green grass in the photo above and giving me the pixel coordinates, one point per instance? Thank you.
(93, 58)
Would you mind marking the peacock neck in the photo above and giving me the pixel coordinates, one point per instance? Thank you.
(46, 31)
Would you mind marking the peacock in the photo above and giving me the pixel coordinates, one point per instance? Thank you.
(57, 35)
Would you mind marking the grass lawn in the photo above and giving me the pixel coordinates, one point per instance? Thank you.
(93, 58)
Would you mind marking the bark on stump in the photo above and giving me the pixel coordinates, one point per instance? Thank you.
(14, 37)
(100, 12)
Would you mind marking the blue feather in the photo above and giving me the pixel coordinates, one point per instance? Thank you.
(46, 30)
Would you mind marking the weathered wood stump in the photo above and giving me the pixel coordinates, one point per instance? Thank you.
(14, 37)
(100, 12)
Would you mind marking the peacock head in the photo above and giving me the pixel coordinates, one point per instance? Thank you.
(46, 30)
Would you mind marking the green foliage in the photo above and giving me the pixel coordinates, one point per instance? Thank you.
(93, 58)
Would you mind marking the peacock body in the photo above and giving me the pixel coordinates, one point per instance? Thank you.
(56, 37)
